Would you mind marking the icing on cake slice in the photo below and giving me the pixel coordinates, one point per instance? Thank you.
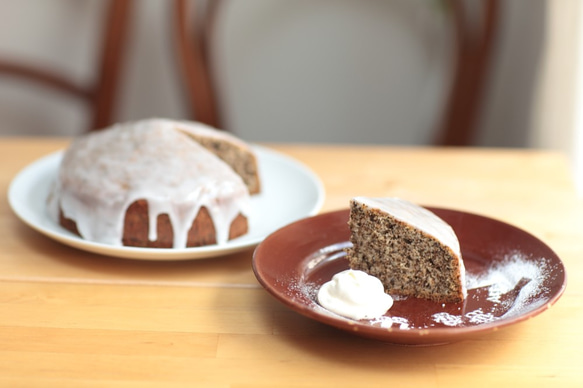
(409, 248)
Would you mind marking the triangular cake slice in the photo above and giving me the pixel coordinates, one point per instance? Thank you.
(409, 248)
(230, 149)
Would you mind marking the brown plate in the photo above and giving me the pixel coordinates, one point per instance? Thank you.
(511, 276)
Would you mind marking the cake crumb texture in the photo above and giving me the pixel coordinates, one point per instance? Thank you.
(408, 260)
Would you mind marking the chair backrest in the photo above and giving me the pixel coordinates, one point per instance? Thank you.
(100, 94)
(474, 33)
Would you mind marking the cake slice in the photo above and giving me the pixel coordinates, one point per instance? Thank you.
(231, 150)
(409, 248)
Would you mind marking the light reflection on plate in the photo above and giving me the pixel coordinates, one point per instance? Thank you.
(511, 274)
(290, 191)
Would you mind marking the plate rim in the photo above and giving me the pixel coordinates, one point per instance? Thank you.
(152, 254)
(410, 336)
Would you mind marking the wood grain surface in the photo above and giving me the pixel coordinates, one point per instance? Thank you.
(74, 319)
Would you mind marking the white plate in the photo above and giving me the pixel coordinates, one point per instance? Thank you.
(290, 191)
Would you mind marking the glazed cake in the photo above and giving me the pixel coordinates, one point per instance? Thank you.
(409, 248)
(154, 183)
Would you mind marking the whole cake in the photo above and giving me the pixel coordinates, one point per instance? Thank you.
(409, 248)
(156, 183)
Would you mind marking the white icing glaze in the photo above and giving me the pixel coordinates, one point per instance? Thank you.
(420, 218)
(149, 160)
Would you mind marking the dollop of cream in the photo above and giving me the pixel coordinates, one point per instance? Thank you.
(355, 294)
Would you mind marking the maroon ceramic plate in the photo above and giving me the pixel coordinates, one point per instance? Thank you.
(511, 276)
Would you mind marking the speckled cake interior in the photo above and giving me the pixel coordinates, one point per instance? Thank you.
(407, 260)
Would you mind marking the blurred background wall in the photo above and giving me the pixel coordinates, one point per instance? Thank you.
(289, 72)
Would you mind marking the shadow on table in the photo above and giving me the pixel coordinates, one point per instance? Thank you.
(283, 334)
(46, 258)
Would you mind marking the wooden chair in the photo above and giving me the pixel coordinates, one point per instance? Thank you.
(100, 95)
(473, 51)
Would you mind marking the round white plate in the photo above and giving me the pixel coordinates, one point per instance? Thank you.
(290, 191)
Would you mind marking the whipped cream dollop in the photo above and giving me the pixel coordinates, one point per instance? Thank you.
(355, 294)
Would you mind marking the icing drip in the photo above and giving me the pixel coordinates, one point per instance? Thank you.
(150, 160)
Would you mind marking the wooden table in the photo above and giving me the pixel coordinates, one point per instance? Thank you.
(71, 319)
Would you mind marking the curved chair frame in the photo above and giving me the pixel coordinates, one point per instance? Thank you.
(474, 41)
(101, 94)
